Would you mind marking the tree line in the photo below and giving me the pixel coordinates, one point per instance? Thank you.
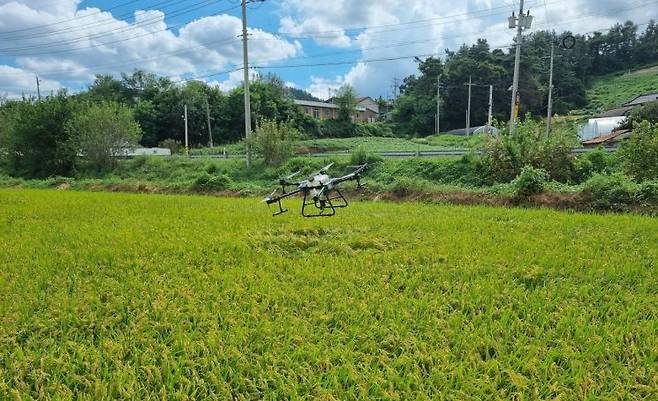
(37, 138)
(622, 48)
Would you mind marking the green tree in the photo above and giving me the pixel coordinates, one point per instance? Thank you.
(36, 141)
(639, 156)
(345, 99)
(415, 110)
(343, 125)
(101, 132)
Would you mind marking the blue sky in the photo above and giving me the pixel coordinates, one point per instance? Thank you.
(67, 42)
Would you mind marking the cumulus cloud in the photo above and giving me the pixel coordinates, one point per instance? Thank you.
(67, 44)
(381, 29)
(16, 82)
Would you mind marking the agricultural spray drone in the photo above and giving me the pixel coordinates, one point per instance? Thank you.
(321, 193)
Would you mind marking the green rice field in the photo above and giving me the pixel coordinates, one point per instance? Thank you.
(144, 297)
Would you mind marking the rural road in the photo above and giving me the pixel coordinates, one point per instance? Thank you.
(423, 153)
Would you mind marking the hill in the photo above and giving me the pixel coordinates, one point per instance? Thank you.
(612, 90)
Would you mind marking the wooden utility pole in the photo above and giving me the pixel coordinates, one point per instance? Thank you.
(210, 143)
(490, 118)
(438, 105)
(468, 111)
(38, 88)
(187, 144)
(549, 115)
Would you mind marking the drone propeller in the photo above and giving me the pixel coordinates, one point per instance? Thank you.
(325, 168)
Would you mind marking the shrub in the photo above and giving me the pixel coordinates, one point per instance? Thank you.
(274, 141)
(361, 156)
(529, 182)
(172, 144)
(648, 112)
(505, 155)
(208, 183)
(378, 129)
(647, 193)
(404, 186)
(613, 192)
(639, 155)
(335, 128)
(595, 162)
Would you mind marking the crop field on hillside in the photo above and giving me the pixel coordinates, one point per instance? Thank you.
(614, 90)
(124, 296)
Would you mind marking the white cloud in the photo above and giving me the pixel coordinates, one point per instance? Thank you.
(16, 82)
(445, 25)
(234, 80)
(96, 42)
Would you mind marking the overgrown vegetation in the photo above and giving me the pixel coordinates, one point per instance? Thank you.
(511, 167)
(274, 141)
(207, 298)
(505, 155)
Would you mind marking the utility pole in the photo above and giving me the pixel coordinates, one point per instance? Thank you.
(187, 145)
(438, 104)
(519, 23)
(490, 119)
(245, 56)
(396, 87)
(549, 115)
(209, 126)
(468, 111)
(38, 88)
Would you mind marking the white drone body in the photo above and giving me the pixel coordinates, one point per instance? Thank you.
(320, 192)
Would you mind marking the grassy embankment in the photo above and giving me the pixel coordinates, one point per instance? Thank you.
(120, 296)
(459, 180)
(614, 90)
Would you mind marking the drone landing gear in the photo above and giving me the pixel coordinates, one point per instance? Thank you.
(324, 204)
(281, 210)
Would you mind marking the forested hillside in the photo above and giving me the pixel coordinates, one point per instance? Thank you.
(588, 63)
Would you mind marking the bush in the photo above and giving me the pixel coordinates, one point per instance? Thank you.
(612, 192)
(404, 186)
(337, 128)
(173, 145)
(639, 155)
(274, 141)
(374, 130)
(361, 156)
(648, 112)
(529, 182)
(209, 183)
(505, 155)
(647, 193)
(595, 162)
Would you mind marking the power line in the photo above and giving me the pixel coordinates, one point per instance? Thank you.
(361, 28)
(121, 40)
(115, 31)
(73, 28)
(70, 19)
